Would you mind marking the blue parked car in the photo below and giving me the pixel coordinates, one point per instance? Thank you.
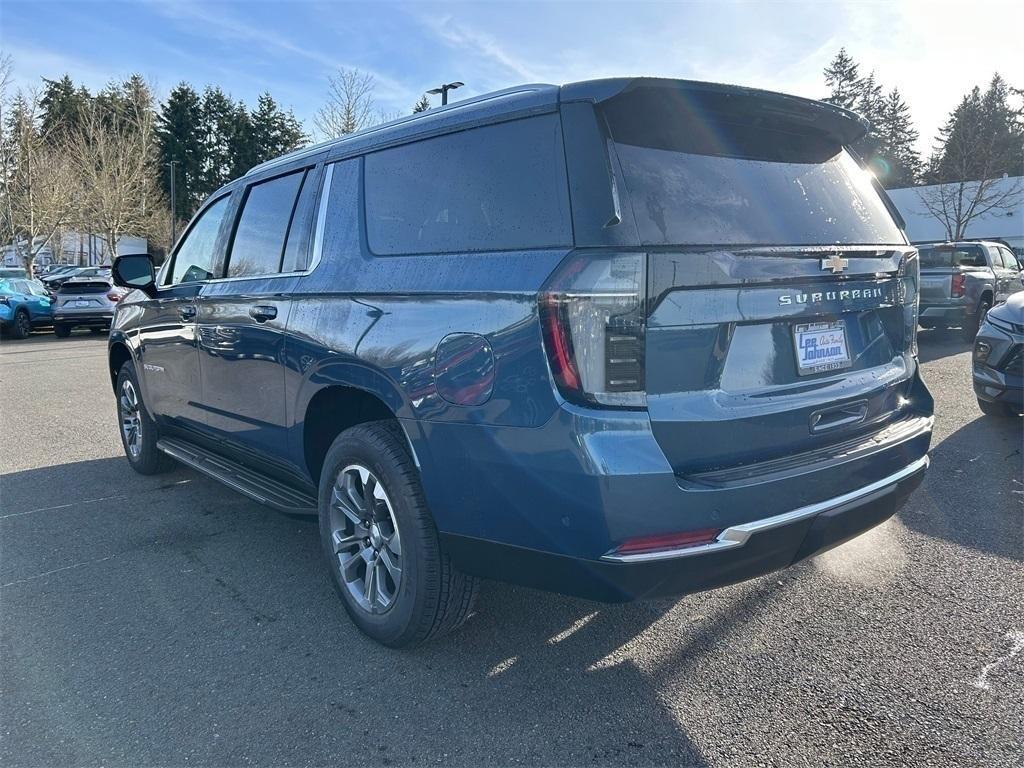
(24, 305)
(618, 339)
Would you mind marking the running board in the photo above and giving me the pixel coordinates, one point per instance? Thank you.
(258, 487)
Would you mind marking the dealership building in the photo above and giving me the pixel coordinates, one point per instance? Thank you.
(1006, 225)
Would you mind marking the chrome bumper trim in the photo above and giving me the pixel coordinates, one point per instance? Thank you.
(736, 536)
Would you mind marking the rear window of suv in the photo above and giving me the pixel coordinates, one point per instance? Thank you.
(499, 187)
(706, 173)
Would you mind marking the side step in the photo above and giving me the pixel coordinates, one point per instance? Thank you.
(234, 475)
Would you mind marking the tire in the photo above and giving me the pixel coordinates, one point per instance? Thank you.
(972, 324)
(140, 449)
(21, 325)
(61, 331)
(995, 409)
(429, 597)
(926, 324)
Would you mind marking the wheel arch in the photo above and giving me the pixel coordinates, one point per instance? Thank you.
(117, 355)
(335, 407)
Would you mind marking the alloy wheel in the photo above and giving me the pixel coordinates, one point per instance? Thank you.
(131, 419)
(365, 538)
(24, 324)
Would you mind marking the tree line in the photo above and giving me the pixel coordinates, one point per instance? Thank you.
(102, 162)
(982, 138)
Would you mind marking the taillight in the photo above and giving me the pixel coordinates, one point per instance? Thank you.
(594, 319)
(956, 286)
(910, 295)
(114, 296)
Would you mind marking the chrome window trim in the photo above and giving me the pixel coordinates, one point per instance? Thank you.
(737, 535)
(321, 217)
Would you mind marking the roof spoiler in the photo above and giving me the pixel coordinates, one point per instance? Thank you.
(841, 124)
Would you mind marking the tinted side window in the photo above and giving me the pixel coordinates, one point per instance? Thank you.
(195, 256)
(296, 250)
(500, 187)
(258, 245)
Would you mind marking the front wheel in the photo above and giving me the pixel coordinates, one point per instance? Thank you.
(380, 543)
(995, 409)
(139, 432)
(21, 327)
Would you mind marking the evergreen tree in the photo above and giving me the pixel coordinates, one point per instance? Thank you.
(843, 79)
(275, 131)
(422, 105)
(62, 107)
(179, 140)
(242, 143)
(217, 124)
(869, 100)
(951, 160)
(898, 139)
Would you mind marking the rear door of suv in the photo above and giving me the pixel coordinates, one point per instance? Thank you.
(781, 291)
(242, 316)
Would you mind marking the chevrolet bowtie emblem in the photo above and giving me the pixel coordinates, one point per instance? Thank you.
(835, 262)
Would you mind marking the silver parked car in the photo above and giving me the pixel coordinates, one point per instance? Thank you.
(85, 302)
(999, 359)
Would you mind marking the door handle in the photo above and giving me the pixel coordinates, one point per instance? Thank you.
(187, 313)
(263, 312)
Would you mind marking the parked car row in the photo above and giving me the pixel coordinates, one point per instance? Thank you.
(26, 305)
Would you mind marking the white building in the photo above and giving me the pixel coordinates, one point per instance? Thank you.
(1005, 225)
(76, 248)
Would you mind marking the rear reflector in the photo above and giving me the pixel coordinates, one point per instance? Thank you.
(668, 541)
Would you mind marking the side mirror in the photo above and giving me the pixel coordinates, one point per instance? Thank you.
(135, 271)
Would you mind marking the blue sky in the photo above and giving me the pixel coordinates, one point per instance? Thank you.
(933, 51)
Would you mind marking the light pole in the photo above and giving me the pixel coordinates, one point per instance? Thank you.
(174, 212)
(443, 90)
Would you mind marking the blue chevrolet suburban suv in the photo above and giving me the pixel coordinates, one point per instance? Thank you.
(618, 339)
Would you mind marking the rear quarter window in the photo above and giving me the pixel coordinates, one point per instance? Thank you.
(499, 187)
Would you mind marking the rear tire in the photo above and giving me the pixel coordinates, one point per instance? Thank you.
(972, 324)
(61, 331)
(139, 433)
(999, 410)
(375, 525)
(21, 325)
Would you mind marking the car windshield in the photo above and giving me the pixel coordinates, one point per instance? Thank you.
(709, 173)
(963, 256)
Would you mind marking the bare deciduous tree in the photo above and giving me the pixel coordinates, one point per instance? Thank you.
(114, 159)
(350, 105)
(956, 204)
(35, 177)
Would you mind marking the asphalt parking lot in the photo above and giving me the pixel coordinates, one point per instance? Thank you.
(169, 621)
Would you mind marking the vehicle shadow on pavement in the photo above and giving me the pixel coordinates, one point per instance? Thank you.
(973, 494)
(935, 343)
(174, 567)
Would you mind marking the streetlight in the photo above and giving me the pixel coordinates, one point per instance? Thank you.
(174, 213)
(443, 90)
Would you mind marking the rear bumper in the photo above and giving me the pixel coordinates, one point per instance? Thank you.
(89, 317)
(547, 507)
(946, 312)
(740, 553)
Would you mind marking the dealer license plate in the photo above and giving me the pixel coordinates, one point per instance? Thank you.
(820, 347)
